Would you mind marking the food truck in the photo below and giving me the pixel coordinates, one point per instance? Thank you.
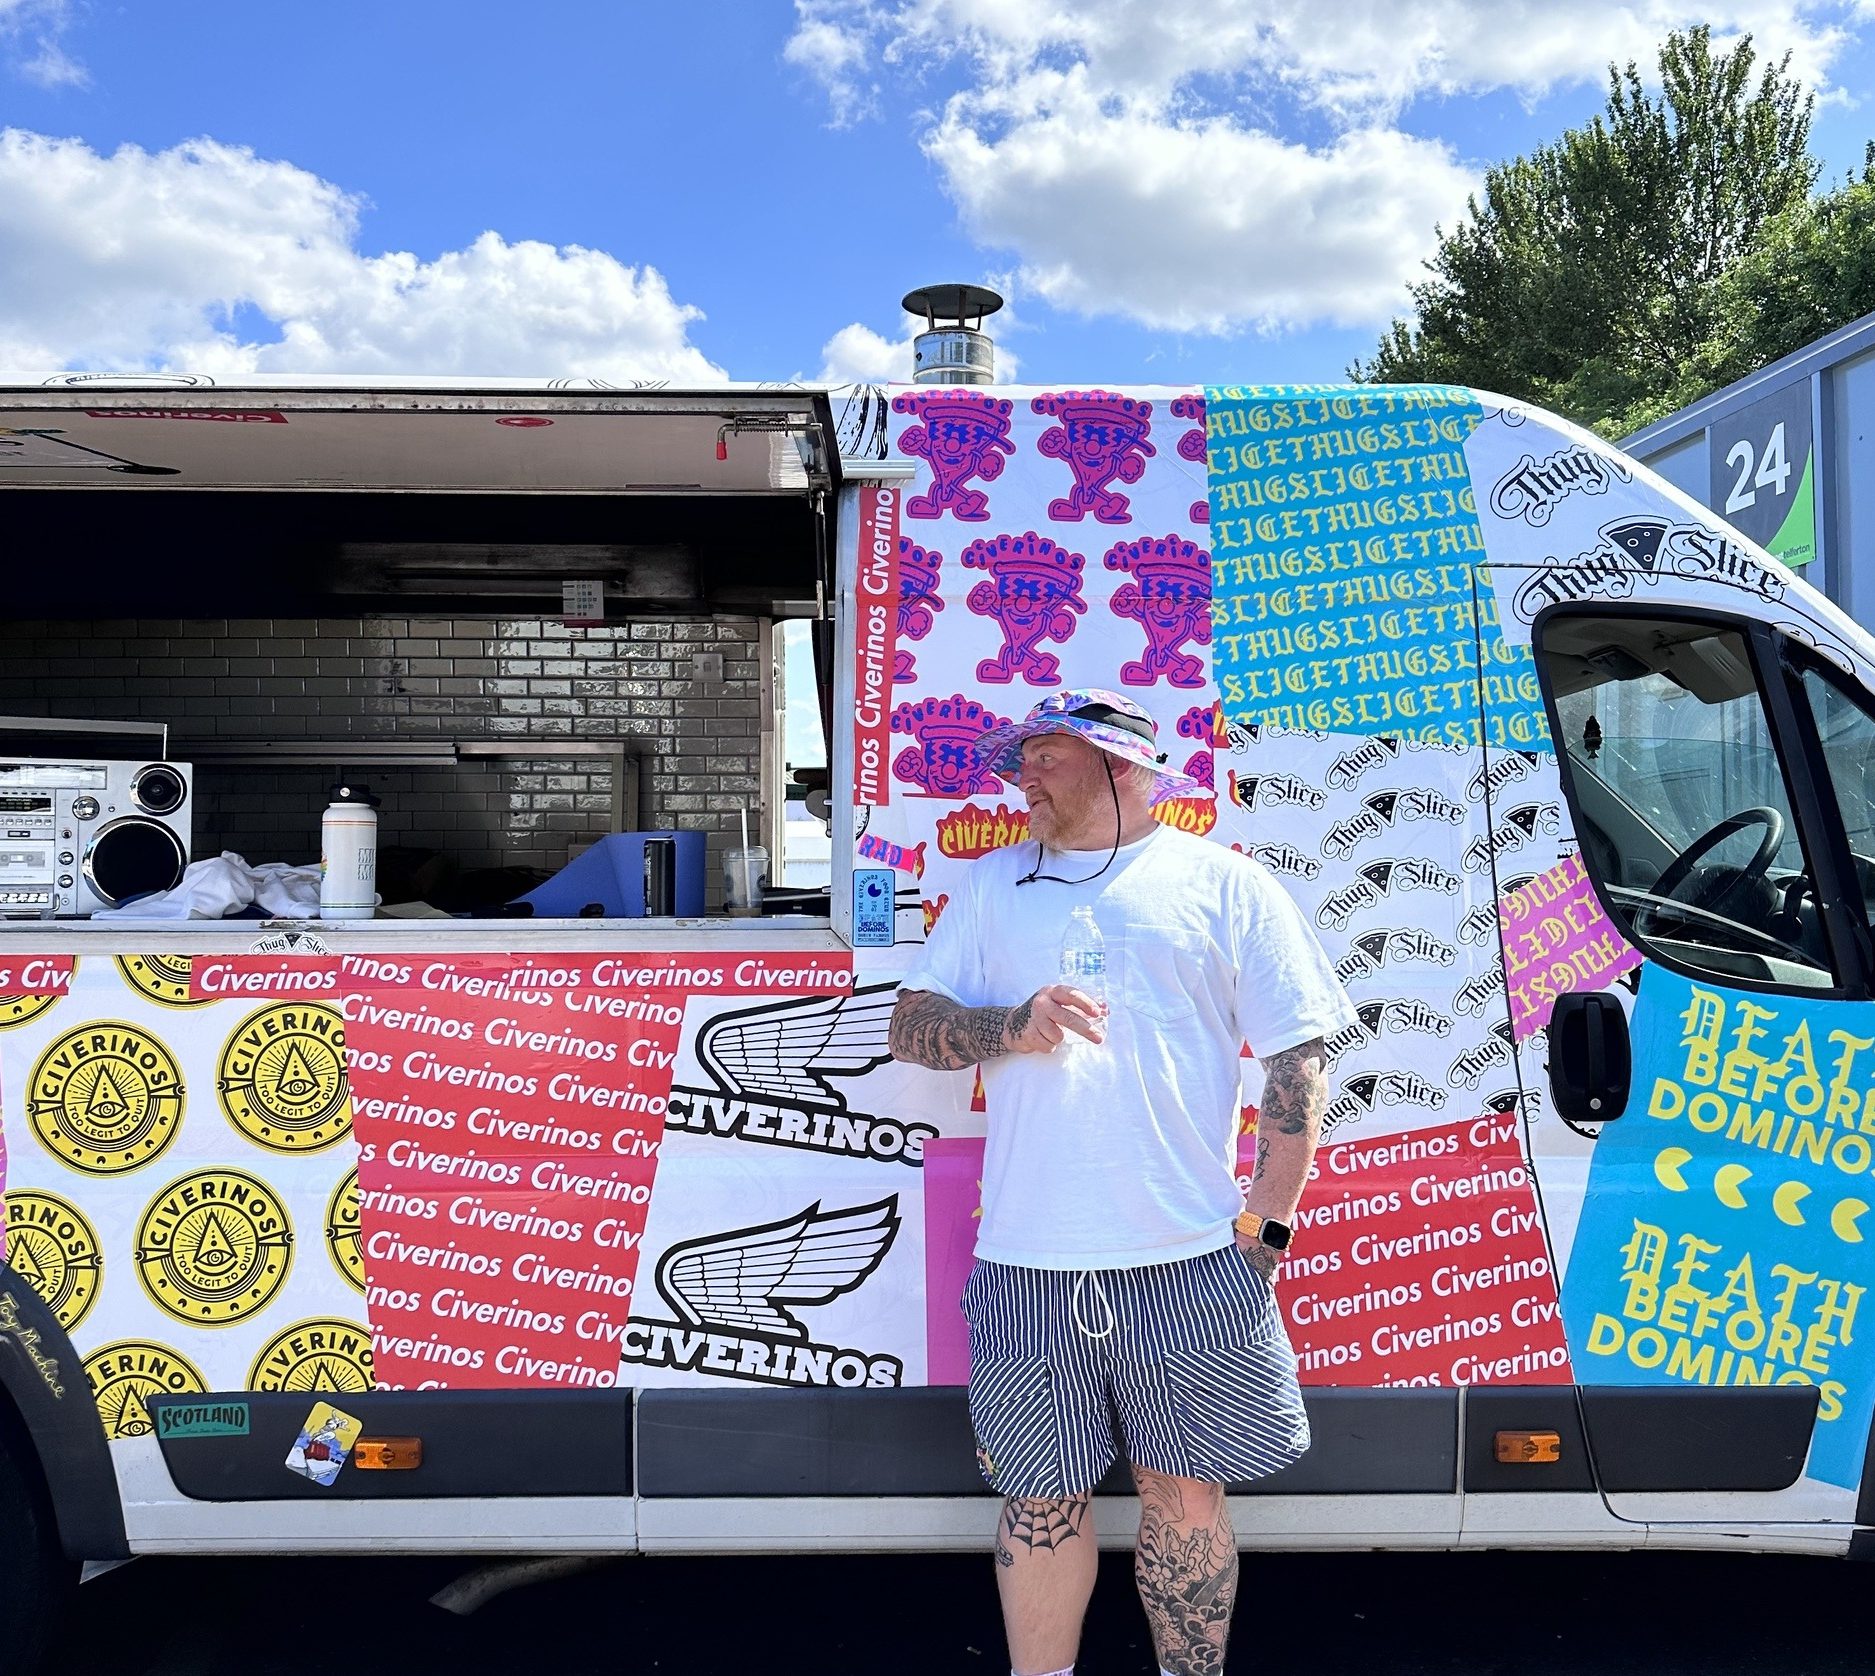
(563, 1224)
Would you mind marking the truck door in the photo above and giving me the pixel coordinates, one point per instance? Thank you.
(1690, 995)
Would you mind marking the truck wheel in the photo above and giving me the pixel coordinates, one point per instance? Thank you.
(36, 1580)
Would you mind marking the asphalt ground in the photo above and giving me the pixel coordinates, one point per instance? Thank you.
(1360, 1614)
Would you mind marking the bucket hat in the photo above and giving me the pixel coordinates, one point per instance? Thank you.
(1108, 721)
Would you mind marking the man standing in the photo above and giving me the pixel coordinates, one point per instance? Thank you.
(1122, 1296)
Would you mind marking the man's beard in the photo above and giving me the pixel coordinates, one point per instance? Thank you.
(1075, 818)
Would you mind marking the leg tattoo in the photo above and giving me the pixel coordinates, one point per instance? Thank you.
(1037, 1522)
(1044, 1575)
(1186, 1567)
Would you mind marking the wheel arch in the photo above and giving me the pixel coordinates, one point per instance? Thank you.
(46, 1413)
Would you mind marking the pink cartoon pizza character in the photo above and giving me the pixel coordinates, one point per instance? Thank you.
(1191, 446)
(943, 762)
(918, 579)
(1170, 598)
(1200, 723)
(961, 435)
(1034, 594)
(1103, 437)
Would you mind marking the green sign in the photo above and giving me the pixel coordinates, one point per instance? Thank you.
(202, 1419)
(1763, 467)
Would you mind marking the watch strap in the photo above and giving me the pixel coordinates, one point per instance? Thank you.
(1252, 1225)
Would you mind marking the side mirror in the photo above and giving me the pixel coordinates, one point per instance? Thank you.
(1590, 1063)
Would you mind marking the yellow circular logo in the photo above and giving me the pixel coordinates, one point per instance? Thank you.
(42, 984)
(282, 1077)
(342, 1230)
(18, 1009)
(324, 1354)
(164, 978)
(105, 1098)
(124, 1373)
(213, 1246)
(54, 1250)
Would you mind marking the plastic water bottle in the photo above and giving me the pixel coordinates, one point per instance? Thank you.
(1084, 956)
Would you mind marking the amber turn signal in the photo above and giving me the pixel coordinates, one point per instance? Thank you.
(1529, 1448)
(389, 1454)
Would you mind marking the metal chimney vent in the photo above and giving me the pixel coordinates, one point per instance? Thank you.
(953, 348)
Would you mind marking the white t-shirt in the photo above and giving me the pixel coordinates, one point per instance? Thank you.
(1123, 1154)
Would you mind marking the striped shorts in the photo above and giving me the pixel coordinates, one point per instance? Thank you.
(1184, 1367)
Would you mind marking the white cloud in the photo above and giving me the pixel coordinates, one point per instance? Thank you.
(1346, 55)
(1197, 225)
(834, 51)
(49, 66)
(139, 260)
(1124, 154)
(33, 28)
(857, 354)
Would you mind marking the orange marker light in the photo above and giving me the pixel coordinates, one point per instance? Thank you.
(1521, 1448)
(388, 1454)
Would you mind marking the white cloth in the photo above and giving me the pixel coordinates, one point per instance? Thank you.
(225, 885)
(1123, 1154)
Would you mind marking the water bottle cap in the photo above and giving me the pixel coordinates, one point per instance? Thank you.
(354, 794)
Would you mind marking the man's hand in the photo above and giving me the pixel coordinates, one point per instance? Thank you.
(1260, 1257)
(1044, 1021)
(934, 1031)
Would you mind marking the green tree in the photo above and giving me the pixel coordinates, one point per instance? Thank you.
(1811, 270)
(1586, 275)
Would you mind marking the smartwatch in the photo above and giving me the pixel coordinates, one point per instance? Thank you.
(1276, 1235)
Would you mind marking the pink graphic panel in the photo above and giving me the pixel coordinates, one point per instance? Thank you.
(953, 1200)
(1557, 939)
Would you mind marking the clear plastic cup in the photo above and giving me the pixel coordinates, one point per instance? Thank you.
(745, 872)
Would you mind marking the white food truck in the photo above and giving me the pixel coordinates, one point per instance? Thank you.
(304, 1215)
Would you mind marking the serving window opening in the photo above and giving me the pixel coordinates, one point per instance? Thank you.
(386, 605)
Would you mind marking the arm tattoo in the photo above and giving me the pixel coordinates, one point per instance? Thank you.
(1295, 1091)
(1263, 1155)
(1040, 1522)
(935, 1032)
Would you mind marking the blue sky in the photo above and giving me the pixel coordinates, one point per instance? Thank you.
(1189, 190)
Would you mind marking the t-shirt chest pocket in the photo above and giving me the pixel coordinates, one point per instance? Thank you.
(1162, 971)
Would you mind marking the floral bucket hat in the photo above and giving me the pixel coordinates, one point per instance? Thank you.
(1108, 721)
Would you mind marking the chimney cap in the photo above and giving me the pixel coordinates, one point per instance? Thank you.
(941, 304)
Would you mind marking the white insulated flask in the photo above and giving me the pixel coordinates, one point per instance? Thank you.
(348, 854)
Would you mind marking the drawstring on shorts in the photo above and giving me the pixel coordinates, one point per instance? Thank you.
(1074, 1306)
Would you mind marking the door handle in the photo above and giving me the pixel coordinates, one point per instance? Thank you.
(1590, 1061)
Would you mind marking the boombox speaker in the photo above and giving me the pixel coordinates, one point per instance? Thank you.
(79, 836)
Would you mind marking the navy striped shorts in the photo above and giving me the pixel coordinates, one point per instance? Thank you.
(1183, 1367)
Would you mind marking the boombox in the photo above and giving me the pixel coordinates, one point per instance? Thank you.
(79, 836)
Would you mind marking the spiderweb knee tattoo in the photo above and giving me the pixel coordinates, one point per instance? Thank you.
(1041, 1523)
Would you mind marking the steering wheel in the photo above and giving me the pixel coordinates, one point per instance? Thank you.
(1652, 908)
(1680, 869)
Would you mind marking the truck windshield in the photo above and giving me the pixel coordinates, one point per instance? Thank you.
(1684, 814)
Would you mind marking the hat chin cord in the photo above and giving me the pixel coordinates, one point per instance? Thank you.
(1036, 874)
